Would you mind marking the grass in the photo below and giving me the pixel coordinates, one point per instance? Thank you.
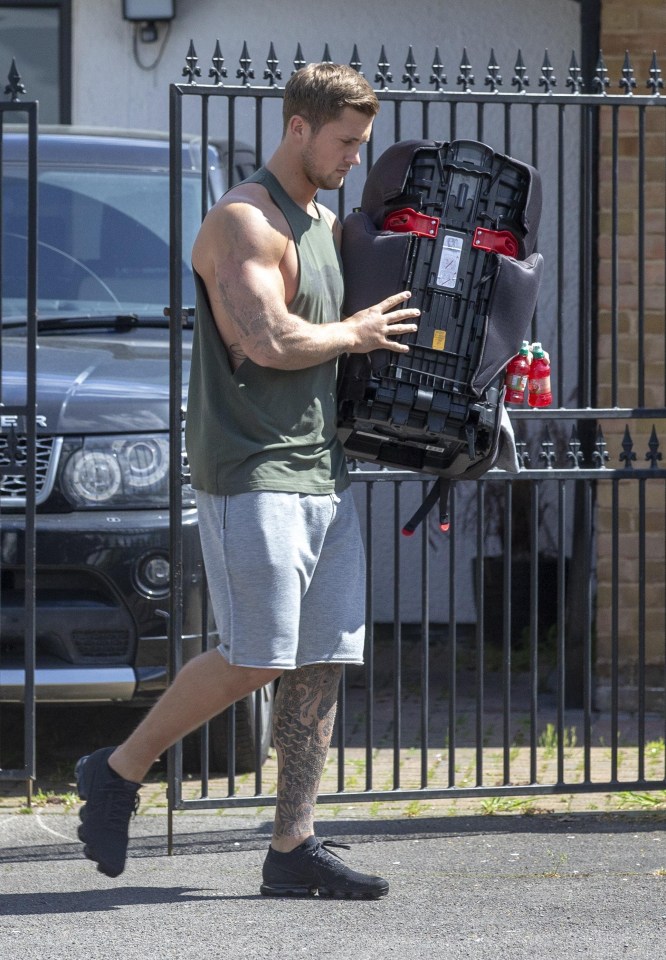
(654, 800)
(68, 800)
(494, 805)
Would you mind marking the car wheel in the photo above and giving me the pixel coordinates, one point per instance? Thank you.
(245, 739)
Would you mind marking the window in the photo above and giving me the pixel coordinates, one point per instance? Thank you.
(38, 37)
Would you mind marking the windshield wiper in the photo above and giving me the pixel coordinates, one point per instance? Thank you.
(119, 322)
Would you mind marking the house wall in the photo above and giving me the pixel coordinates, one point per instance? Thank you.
(639, 28)
(111, 88)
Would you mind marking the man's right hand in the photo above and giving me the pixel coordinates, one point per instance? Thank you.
(377, 326)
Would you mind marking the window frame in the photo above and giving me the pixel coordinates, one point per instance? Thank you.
(64, 50)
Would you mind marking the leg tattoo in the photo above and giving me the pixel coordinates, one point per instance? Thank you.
(304, 713)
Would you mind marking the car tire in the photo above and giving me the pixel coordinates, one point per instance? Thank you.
(245, 740)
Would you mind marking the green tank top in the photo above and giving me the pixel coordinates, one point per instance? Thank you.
(259, 428)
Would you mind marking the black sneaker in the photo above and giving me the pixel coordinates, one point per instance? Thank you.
(311, 868)
(110, 803)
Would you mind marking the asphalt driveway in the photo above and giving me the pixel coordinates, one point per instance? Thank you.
(492, 888)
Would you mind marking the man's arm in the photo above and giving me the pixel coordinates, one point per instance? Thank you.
(242, 254)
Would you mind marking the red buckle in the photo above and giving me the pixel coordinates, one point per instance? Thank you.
(497, 241)
(410, 221)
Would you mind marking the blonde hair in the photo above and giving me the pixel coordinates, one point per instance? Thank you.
(321, 91)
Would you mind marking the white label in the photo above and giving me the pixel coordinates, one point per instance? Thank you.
(449, 261)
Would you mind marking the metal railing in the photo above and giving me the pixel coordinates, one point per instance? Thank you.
(463, 694)
(18, 457)
(502, 702)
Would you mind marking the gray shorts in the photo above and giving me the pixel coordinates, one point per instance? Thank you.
(286, 575)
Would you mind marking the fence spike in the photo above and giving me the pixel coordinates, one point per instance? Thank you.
(299, 61)
(272, 71)
(218, 70)
(410, 76)
(575, 78)
(493, 77)
(600, 454)
(627, 454)
(520, 78)
(600, 80)
(355, 62)
(628, 81)
(547, 78)
(547, 451)
(191, 68)
(655, 82)
(437, 77)
(383, 75)
(523, 454)
(465, 77)
(15, 87)
(326, 58)
(245, 72)
(575, 453)
(654, 453)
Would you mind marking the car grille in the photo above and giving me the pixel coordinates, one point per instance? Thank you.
(14, 457)
(101, 646)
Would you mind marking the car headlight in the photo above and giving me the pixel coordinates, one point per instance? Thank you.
(128, 472)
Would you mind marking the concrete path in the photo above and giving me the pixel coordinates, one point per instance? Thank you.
(464, 888)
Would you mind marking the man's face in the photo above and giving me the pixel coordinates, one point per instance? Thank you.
(330, 153)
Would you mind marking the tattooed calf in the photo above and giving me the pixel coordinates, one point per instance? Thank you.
(304, 714)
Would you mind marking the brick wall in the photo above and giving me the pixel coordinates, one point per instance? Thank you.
(640, 28)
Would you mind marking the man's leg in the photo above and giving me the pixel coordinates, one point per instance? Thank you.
(298, 864)
(109, 780)
(303, 718)
(205, 686)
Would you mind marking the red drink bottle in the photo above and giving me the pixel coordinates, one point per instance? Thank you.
(538, 384)
(517, 372)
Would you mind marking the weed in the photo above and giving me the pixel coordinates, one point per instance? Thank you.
(549, 738)
(492, 805)
(654, 753)
(648, 801)
(558, 860)
(50, 798)
(415, 808)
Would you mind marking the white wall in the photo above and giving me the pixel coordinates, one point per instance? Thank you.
(111, 89)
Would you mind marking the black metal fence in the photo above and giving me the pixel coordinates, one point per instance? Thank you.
(504, 701)
(468, 691)
(18, 436)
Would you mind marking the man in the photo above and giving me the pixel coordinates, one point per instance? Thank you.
(279, 530)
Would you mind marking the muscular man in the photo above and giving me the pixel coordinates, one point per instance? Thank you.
(279, 530)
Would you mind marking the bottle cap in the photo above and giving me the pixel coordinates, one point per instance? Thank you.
(537, 350)
(525, 349)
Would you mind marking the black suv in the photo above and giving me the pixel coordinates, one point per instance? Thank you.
(102, 525)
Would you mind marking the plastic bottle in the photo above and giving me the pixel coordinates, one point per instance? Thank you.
(517, 372)
(538, 384)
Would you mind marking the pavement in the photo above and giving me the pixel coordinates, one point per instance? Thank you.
(505, 887)
(500, 878)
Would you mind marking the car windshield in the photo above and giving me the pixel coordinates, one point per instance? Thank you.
(103, 242)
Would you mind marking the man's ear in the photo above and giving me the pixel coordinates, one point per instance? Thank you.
(298, 126)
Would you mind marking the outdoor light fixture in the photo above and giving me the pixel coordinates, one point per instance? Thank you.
(149, 12)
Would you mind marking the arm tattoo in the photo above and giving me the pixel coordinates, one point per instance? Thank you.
(236, 355)
(304, 714)
(249, 321)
